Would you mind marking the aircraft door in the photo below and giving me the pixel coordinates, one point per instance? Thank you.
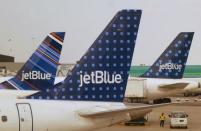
(25, 117)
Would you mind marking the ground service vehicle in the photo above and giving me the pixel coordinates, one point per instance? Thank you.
(178, 119)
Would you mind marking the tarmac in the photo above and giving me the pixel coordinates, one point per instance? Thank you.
(193, 109)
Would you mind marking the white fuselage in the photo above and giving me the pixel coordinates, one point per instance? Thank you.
(155, 88)
(155, 92)
(48, 115)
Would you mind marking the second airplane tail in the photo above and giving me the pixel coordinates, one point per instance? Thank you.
(171, 64)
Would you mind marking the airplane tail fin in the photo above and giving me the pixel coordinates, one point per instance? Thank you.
(102, 73)
(171, 64)
(40, 69)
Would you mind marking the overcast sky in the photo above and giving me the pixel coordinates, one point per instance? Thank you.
(25, 23)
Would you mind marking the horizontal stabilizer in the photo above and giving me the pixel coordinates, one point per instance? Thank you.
(173, 86)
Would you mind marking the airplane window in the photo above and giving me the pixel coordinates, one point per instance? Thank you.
(4, 118)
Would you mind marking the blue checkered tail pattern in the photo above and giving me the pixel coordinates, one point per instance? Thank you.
(40, 69)
(171, 64)
(102, 72)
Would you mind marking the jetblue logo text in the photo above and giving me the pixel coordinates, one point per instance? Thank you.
(99, 77)
(170, 66)
(33, 75)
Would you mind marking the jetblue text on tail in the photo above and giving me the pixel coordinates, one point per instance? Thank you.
(34, 75)
(170, 66)
(99, 77)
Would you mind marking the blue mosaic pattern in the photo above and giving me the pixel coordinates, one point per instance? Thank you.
(111, 53)
(171, 64)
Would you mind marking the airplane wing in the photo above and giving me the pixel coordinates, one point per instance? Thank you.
(166, 87)
(99, 111)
